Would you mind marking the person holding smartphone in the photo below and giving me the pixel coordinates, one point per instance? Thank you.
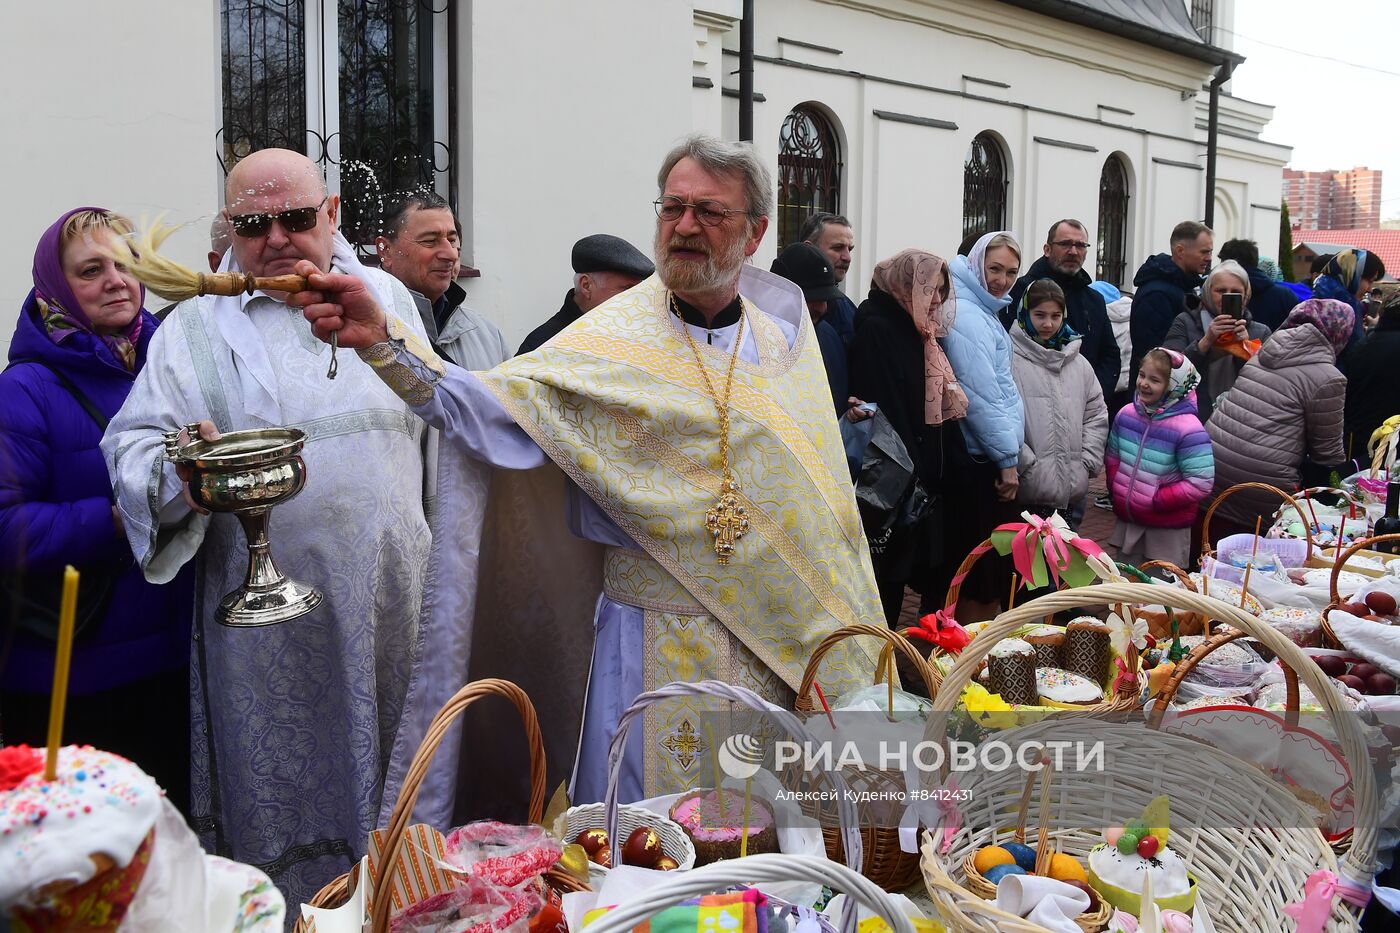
(1220, 336)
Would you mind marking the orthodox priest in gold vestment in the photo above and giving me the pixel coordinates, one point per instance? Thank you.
(692, 423)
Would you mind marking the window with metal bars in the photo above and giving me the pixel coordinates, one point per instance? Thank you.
(1203, 17)
(1113, 222)
(360, 86)
(984, 186)
(809, 170)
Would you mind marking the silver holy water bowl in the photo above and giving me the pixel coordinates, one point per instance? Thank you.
(247, 473)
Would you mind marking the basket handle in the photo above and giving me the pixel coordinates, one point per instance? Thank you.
(758, 868)
(1341, 559)
(893, 642)
(1199, 654)
(1358, 860)
(1043, 774)
(1208, 551)
(845, 807)
(423, 758)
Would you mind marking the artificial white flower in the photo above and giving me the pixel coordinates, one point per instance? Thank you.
(1123, 634)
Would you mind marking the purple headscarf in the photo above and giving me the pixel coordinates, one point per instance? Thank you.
(1333, 318)
(58, 307)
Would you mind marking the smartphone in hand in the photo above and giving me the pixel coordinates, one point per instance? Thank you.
(1232, 305)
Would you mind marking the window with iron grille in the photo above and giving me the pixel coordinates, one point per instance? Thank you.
(1113, 222)
(809, 171)
(1202, 17)
(984, 186)
(360, 86)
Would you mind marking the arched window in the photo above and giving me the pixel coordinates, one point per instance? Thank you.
(1113, 222)
(809, 170)
(984, 186)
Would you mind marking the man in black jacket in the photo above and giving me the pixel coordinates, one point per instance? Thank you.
(1162, 284)
(604, 266)
(1373, 380)
(1066, 247)
(1269, 301)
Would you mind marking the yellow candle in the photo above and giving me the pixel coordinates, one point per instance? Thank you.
(748, 802)
(68, 609)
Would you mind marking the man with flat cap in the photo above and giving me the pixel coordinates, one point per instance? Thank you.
(604, 266)
(810, 270)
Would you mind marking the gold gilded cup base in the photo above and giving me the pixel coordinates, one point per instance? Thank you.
(245, 608)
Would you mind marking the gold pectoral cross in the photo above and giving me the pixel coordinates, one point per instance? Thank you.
(726, 520)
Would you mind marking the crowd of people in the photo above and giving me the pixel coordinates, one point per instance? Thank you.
(655, 487)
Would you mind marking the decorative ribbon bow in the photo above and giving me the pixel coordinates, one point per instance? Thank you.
(942, 631)
(952, 816)
(1124, 676)
(1316, 906)
(1044, 548)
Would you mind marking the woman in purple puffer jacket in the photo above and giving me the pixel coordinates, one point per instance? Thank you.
(80, 341)
(1160, 463)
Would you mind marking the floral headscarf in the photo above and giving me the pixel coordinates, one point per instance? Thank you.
(1181, 382)
(1333, 318)
(1057, 340)
(911, 278)
(56, 305)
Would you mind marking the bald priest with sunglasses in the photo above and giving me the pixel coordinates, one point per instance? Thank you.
(692, 420)
(293, 723)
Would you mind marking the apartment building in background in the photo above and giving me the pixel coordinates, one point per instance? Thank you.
(1330, 200)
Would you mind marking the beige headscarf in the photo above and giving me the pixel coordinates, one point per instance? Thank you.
(911, 277)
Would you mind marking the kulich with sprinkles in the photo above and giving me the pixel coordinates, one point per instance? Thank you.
(75, 851)
(55, 835)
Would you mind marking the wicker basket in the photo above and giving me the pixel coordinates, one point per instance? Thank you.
(1246, 875)
(885, 863)
(1159, 624)
(338, 891)
(1199, 654)
(1292, 700)
(1304, 499)
(1207, 550)
(1330, 639)
(1128, 700)
(674, 842)
(1091, 921)
(859, 891)
(845, 808)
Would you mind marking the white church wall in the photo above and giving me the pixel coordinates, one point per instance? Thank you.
(106, 104)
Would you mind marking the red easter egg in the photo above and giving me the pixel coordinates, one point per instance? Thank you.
(1147, 846)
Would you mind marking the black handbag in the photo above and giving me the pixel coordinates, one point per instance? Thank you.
(903, 520)
(32, 599)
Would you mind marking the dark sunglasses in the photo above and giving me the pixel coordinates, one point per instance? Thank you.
(296, 220)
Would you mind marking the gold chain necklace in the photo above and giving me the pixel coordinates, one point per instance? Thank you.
(725, 520)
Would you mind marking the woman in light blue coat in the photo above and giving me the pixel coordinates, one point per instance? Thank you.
(984, 493)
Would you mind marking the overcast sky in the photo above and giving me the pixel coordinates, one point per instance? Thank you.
(1330, 72)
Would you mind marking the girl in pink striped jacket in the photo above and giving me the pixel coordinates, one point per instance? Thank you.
(1160, 463)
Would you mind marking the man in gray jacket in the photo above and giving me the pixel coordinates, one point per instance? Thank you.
(420, 245)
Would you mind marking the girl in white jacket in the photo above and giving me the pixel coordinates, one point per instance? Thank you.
(1065, 416)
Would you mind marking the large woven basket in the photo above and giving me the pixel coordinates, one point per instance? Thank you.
(1126, 700)
(338, 891)
(718, 876)
(885, 862)
(1157, 712)
(1254, 848)
(1092, 920)
(788, 721)
(1207, 550)
(1329, 636)
(1304, 499)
